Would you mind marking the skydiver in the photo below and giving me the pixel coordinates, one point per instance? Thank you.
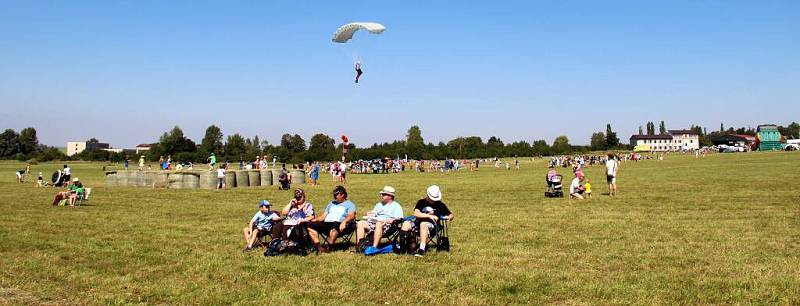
(358, 71)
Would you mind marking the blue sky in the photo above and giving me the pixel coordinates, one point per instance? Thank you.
(127, 71)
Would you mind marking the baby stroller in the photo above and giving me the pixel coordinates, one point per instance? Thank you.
(58, 178)
(554, 186)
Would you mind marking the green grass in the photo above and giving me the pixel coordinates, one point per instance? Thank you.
(724, 229)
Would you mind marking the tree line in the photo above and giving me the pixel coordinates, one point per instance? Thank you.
(25, 145)
(293, 148)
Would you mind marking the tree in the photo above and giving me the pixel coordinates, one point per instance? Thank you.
(234, 147)
(174, 142)
(456, 146)
(321, 147)
(612, 141)
(518, 148)
(793, 130)
(294, 144)
(598, 142)
(651, 128)
(472, 147)
(212, 142)
(561, 145)
(640, 130)
(28, 142)
(294, 147)
(9, 143)
(721, 128)
(252, 148)
(790, 132)
(257, 144)
(662, 129)
(540, 148)
(415, 145)
(494, 147)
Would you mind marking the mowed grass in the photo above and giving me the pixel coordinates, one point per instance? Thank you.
(724, 229)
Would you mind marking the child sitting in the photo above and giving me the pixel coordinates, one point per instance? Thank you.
(260, 224)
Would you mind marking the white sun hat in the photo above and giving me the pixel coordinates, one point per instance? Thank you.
(388, 190)
(434, 193)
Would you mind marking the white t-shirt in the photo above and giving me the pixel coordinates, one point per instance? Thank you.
(573, 187)
(220, 173)
(611, 167)
(67, 171)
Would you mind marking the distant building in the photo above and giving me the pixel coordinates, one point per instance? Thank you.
(76, 147)
(142, 148)
(656, 143)
(746, 141)
(685, 140)
(675, 140)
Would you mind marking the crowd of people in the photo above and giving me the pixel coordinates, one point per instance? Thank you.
(580, 187)
(298, 223)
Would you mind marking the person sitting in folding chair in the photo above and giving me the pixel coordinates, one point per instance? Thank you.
(260, 225)
(298, 213)
(76, 191)
(380, 219)
(427, 212)
(336, 220)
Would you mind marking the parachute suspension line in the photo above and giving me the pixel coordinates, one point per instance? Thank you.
(345, 33)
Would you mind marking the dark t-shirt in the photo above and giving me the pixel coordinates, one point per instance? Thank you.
(439, 209)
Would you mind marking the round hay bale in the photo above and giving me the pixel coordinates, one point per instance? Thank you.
(230, 179)
(122, 178)
(254, 178)
(175, 180)
(276, 173)
(191, 180)
(242, 178)
(266, 178)
(111, 178)
(208, 179)
(161, 179)
(139, 180)
(298, 176)
(149, 179)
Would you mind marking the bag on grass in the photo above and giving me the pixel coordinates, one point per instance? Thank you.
(404, 243)
(273, 247)
(444, 244)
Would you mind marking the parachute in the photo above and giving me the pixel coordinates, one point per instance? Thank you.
(346, 32)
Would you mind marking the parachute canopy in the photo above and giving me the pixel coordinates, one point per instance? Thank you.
(346, 32)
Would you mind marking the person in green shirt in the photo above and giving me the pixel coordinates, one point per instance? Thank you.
(76, 190)
(212, 160)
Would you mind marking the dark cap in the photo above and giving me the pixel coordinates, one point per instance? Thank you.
(339, 190)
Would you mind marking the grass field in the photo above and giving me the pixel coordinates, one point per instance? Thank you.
(724, 229)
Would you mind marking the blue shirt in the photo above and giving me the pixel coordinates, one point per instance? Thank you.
(263, 221)
(384, 212)
(337, 212)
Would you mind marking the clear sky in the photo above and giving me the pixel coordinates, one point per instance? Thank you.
(127, 71)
